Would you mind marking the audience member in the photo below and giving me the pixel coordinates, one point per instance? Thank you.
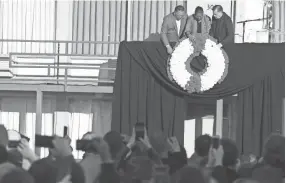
(169, 150)
(226, 159)
(202, 147)
(91, 162)
(268, 174)
(3, 136)
(106, 158)
(245, 181)
(190, 175)
(17, 175)
(274, 151)
(271, 168)
(44, 171)
(5, 165)
(3, 154)
(115, 142)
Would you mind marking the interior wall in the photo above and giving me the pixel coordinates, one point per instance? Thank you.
(206, 5)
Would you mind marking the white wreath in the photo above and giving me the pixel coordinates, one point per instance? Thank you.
(217, 65)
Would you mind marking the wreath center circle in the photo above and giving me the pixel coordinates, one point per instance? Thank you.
(197, 64)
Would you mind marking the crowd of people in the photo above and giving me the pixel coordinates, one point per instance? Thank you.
(118, 158)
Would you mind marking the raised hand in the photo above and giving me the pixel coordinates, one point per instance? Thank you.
(169, 49)
(218, 155)
(26, 151)
(103, 149)
(146, 140)
(211, 157)
(132, 139)
(174, 144)
(192, 38)
(62, 146)
(66, 179)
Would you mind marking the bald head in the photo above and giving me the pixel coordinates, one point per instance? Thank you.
(217, 11)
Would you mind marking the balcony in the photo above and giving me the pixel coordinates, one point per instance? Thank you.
(58, 63)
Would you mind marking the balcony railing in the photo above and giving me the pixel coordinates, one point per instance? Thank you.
(59, 62)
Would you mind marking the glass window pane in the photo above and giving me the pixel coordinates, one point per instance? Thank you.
(208, 123)
(30, 128)
(189, 136)
(47, 129)
(80, 123)
(10, 120)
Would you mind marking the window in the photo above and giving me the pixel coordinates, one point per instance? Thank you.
(47, 129)
(189, 136)
(254, 29)
(79, 124)
(30, 128)
(10, 120)
(208, 123)
(27, 20)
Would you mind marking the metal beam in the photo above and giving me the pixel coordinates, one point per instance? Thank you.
(219, 117)
(55, 88)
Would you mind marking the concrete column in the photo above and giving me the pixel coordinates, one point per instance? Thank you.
(129, 19)
(283, 116)
(219, 117)
(22, 122)
(199, 126)
(39, 106)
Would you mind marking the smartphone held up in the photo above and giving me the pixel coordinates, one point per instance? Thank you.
(139, 130)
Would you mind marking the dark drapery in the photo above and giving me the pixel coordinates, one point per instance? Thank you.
(260, 112)
(139, 97)
(143, 92)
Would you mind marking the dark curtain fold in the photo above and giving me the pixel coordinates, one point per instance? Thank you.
(260, 112)
(139, 97)
(143, 91)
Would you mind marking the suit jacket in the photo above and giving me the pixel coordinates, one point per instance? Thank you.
(169, 30)
(222, 29)
(191, 26)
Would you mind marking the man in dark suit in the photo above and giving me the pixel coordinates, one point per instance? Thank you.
(173, 27)
(222, 27)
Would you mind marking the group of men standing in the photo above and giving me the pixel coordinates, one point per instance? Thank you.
(177, 25)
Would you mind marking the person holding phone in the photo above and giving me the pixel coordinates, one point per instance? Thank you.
(225, 161)
(168, 151)
(202, 148)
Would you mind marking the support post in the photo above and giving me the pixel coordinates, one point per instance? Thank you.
(22, 123)
(219, 117)
(199, 126)
(283, 116)
(38, 128)
(128, 20)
